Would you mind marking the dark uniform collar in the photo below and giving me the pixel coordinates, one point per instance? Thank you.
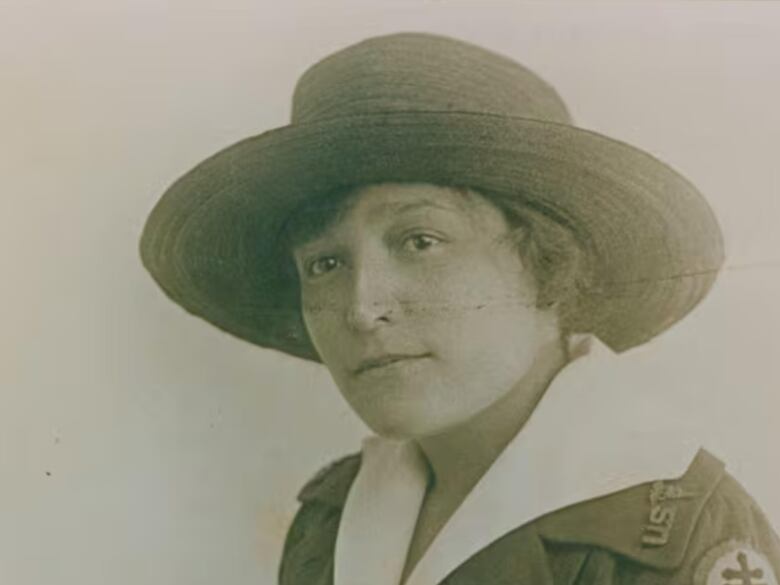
(331, 484)
(651, 523)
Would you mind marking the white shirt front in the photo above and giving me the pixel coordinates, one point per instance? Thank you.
(588, 437)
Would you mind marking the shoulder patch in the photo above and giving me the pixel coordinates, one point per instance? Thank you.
(734, 563)
(331, 484)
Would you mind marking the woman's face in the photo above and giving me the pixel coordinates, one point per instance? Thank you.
(419, 305)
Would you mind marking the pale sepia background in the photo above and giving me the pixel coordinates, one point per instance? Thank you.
(139, 445)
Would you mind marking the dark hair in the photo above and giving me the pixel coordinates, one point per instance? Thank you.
(548, 244)
(555, 252)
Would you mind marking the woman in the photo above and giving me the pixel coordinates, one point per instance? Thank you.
(433, 229)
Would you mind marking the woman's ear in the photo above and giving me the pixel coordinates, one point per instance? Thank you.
(558, 278)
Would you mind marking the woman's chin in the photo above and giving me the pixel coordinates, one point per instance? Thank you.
(409, 423)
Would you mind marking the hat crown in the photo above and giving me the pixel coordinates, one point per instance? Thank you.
(420, 72)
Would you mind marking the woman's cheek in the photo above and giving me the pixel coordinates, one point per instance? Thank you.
(320, 315)
(460, 291)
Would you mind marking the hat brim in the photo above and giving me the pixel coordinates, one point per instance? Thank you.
(211, 240)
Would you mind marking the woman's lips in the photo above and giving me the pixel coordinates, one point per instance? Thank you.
(386, 360)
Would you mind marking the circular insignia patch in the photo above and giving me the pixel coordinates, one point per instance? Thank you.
(734, 563)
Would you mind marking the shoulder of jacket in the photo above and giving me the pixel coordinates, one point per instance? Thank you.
(651, 524)
(733, 536)
(330, 485)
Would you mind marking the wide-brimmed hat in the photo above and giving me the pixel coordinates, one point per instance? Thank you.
(416, 107)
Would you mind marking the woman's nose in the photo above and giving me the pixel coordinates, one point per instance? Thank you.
(371, 301)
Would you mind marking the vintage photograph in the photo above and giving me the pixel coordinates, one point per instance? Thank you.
(419, 293)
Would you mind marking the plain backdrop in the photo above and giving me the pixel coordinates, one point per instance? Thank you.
(140, 445)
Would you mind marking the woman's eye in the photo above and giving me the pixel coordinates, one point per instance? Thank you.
(320, 266)
(420, 242)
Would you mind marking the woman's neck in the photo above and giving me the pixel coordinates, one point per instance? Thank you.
(459, 456)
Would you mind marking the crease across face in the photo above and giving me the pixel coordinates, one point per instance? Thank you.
(417, 301)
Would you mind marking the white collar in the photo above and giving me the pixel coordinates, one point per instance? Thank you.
(588, 437)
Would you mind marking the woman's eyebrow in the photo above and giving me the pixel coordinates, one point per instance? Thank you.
(311, 246)
(391, 208)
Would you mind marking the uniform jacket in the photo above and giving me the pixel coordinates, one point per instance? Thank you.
(615, 539)
(596, 488)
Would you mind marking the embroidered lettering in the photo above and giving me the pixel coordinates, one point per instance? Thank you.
(662, 515)
(662, 512)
